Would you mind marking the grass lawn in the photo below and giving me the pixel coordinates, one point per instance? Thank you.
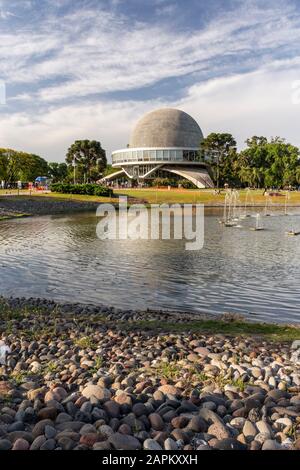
(269, 331)
(188, 196)
(73, 197)
(205, 196)
(272, 332)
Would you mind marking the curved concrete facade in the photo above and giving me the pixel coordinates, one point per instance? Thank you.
(164, 141)
(168, 128)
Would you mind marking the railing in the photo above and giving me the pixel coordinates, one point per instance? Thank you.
(157, 156)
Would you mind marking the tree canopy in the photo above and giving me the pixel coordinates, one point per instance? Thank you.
(57, 171)
(262, 163)
(21, 166)
(220, 150)
(89, 157)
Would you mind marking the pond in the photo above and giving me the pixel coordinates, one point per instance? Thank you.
(256, 273)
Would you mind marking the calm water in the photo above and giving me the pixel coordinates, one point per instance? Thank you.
(255, 273)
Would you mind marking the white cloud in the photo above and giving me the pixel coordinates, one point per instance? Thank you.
(257, 103)
(100, 51)
(89, 52)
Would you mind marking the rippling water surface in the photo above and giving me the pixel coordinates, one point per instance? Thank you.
(254, 273)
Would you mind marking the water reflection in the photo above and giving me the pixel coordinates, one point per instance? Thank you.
(256, 273)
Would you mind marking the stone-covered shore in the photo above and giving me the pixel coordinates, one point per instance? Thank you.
(84, 377)
(12, 206)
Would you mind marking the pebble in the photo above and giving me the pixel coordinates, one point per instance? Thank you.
(156, 422)
(151, 444)
(102, 394)
(249, 430)
(122, 442)
(21, 444)
(114, 389)
(270, 444)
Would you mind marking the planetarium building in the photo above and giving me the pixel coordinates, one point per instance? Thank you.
(164, 143)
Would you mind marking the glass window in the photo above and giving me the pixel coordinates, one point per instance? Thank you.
(152, 154)
(172, 154)
(178, 154)
(166, 154)
(159, 154)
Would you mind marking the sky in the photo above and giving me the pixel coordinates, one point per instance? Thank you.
(89, 69)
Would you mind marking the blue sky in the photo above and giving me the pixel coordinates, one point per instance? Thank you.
(91, 68)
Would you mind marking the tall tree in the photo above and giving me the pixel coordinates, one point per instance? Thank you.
(57, 171)
(220, 149)
(15, 165)
(89, 156)
(273, 163)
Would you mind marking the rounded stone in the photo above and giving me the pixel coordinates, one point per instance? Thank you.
(89, 439)
(5, 444)
(58, 394)
(156, 422)
(151, 444)
(197, 424)
(105, 445)
(112, 409)
(39, 428)
(102, 394)
(50, 444)
(270, 444)
(47, 413)
(38, 442)
(124, 442)
(170, 444)
(229, 444)
(21, 444)
(139, 409)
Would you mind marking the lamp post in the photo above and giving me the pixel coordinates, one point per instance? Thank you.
(74, 166)
(218, 171)
(217, 158)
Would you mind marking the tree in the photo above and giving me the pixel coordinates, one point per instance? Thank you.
(31, 166)
(58, 172)
(269, 164)
(21, 166)
(220, 151)
(89, 157)
(3, 165)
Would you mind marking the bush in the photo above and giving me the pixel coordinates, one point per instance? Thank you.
(164, 182)
(186, 184)
(88, 189)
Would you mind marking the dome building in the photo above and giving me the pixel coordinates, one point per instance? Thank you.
(164, 143)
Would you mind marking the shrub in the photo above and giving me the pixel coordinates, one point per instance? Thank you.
(88, 189)
(164, 182)
(186, 184)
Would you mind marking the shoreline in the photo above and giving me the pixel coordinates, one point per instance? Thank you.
(13, 206)
(23, 206)
(86, 381)
(157, 318)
